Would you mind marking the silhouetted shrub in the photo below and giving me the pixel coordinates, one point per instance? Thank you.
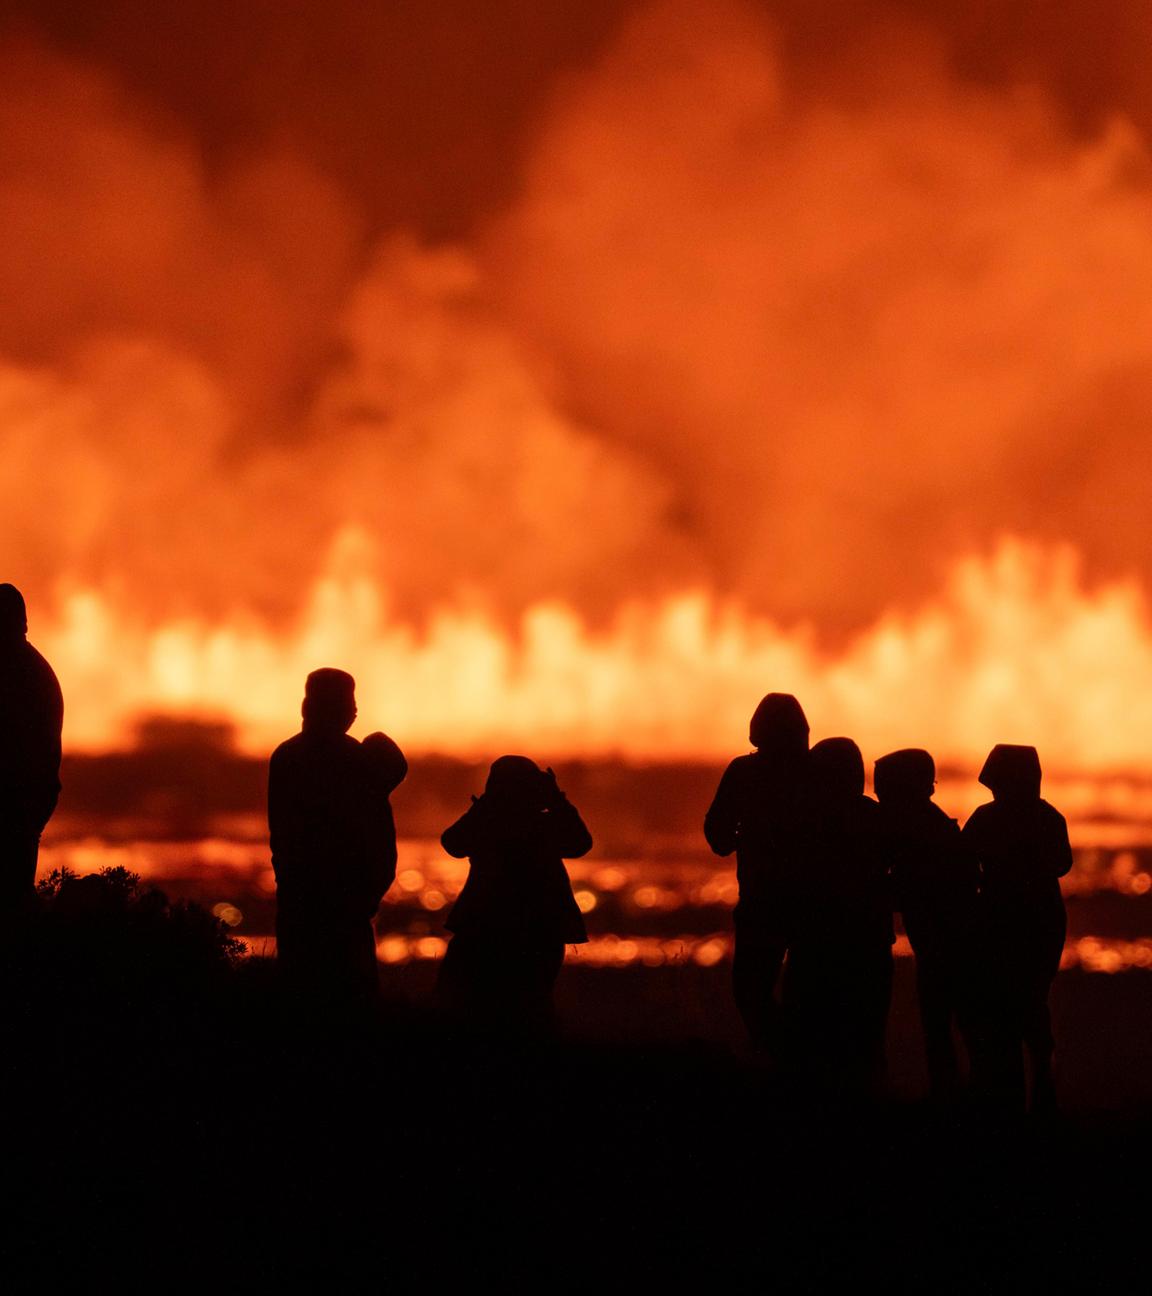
(105, 947)
(99, 905)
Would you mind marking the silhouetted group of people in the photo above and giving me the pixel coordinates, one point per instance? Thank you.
(822, 869)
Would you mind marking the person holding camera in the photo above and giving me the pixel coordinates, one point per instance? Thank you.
(516, 911)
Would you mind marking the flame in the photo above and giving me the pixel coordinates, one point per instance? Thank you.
(1014, 648)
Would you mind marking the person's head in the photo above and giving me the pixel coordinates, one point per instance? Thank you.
(836, 769)
(905, 775)
(1012, 772)
(779, 727)
(13, 613)
(329, 701)
(387, 759)
(516, 780)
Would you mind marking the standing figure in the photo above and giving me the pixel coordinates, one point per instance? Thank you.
(516, 911)
(1021, 845)
(755, 812)
(31, 718)
(333, 842)
(935, 886)
(838, 979)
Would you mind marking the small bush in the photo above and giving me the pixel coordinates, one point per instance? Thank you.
(105, 942)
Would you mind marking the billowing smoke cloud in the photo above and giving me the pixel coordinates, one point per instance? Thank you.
(859, 342)
(727, 332)
(198, 396)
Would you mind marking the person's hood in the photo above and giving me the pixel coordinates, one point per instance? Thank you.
(1012, 770)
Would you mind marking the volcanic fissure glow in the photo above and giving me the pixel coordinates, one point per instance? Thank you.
(990, 659)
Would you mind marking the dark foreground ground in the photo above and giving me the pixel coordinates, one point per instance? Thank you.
(162, 1132)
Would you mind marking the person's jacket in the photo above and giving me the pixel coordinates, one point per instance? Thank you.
(839, 888)
(935, 879)
(756, 812)
(330, 825)
(31, 718)
(1022, 848)
(517, 885)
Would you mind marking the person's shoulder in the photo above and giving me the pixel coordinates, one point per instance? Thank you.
(288, 749)
(35, 660)
(941, 821)
(983, 814)
(1049, 812)
(868, 811)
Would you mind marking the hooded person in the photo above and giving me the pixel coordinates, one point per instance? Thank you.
(333, 841)
(516, 911)
(31, 720)
(1021, 846)
(935, 887)
(838, 978)
(755, 813)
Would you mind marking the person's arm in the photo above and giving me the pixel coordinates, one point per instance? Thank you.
(460, 839)
(972, 844)
(285, 825)
(388, 761)
(722, 822)
(567, 834)
(962, 859)
(972, 833)
(1059, 848)
(570, 835)
(384, 770)
(42, 755)
(382, 862)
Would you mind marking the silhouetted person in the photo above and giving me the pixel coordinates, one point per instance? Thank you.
(31, 718)
(935, 885)
(387, 769)
(333, 842)
(755, 813)
(838, 978)
(1021, 844)
(516, 911)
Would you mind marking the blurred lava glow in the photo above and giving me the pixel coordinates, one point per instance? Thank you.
(1015, 648)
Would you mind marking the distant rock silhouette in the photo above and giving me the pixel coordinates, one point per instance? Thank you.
(333, 842)
(31, 718)
(756, 813)
(1021, 845)
(516, 911)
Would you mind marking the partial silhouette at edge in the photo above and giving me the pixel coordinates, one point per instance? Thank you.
(31, 720)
